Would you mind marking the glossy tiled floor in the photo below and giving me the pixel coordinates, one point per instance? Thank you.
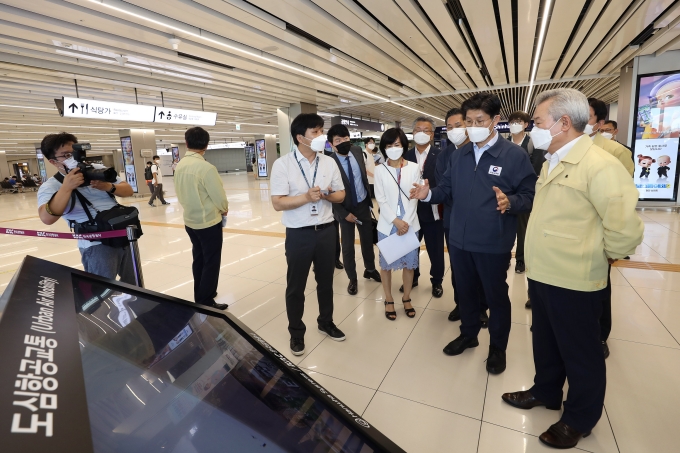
(394, 373)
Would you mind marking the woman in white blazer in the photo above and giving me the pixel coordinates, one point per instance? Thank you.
(398, 213)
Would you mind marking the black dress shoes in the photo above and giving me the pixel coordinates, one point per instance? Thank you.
(525, 400)
(460, 344)
(401, 288)
(528, 304)
(437, 290)
(219, 306)
(562, 436)
(484, 318)
(495, 363)
(605, 349)
(339, 265)
(352, 288)
(455, 314)
(374, 274)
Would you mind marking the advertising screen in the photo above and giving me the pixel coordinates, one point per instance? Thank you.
(175, 154)
(261, 151)
(41, 164)
(656, 136)
(129, 161)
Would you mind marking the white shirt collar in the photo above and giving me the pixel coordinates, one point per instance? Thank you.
(560, 154)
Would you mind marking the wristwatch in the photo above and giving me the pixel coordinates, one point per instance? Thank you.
(113, 189)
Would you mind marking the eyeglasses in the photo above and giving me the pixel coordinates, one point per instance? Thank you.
(476, 123)
(65, 156)
(611, 131)
(427, 131)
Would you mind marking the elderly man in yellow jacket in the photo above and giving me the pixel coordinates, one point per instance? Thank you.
(583, 217)
(596, 121)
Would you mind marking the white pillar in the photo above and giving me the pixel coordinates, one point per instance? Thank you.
(286, 115)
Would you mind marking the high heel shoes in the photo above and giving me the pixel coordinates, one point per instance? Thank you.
(410, 312)
(391, 315)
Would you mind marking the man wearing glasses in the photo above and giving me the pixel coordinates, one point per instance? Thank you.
(57, 200)
(429, 216)
(489, 181)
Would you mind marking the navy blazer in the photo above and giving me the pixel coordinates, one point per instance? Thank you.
(430, 173)
(475, 223)
(442, 165)
(342, 210)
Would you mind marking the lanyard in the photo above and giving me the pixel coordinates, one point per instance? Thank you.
(303, 172)
(399, 178)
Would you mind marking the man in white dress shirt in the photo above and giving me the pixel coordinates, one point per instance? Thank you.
(304, 184)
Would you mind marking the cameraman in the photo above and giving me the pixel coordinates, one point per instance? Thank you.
(55, 201)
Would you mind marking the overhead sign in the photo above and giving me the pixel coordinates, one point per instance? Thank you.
(101, 110)
(104, 110)
(179, 116)
(227, 145)
(355, 135)
(357, 123)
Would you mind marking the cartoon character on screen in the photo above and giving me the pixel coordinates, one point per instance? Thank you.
(664, 162)
(645, 162)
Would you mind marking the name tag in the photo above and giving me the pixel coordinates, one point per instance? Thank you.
(494, 170)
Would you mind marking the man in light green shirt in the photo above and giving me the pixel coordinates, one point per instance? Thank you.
(201, 193)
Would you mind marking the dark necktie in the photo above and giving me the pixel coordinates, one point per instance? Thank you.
(352, 187)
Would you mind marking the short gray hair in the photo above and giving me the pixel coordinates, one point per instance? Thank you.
(424, 119)
(567, 102)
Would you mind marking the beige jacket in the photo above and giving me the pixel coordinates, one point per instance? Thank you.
(583, 213)
(617, 150)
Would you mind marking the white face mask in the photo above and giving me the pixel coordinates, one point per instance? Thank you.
(541, 138)
(516, 128)
(318, 144)
(394, 153)
(478, 134)
(70, 163)
(457, 135)
(421, 138)
(607, 135)
(370, 146)
(588, 130)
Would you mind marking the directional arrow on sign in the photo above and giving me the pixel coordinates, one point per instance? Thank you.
(161, 115)
(73, 107)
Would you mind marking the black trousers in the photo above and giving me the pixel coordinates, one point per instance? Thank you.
(433, 232)
(207, 253)
(363, 213)
(522, 222)
(480, 290)
(304, 247)
(566, 343)
(488, 270)
(606, 318)
(336, 226)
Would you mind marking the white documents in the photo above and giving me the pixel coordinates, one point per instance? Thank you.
(394, 247)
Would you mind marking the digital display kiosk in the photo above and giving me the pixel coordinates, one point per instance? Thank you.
(656, 136)
(95, 365)
(129, 162)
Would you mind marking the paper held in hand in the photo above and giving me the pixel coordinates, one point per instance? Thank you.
(394, 247)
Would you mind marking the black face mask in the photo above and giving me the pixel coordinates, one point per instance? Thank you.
(343, 148)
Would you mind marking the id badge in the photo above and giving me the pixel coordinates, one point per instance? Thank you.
(313, 209)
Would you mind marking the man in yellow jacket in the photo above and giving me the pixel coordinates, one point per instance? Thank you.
(201, 193)
(596, 121)
(583, 217)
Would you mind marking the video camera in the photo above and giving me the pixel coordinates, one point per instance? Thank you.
(89, 171)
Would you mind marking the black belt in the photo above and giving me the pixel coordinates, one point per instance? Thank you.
(315, 227)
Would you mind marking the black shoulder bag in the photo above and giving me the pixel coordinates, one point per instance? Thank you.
(118, 217)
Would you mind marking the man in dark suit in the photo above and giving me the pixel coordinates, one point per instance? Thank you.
(355, 210)
(430, 216)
